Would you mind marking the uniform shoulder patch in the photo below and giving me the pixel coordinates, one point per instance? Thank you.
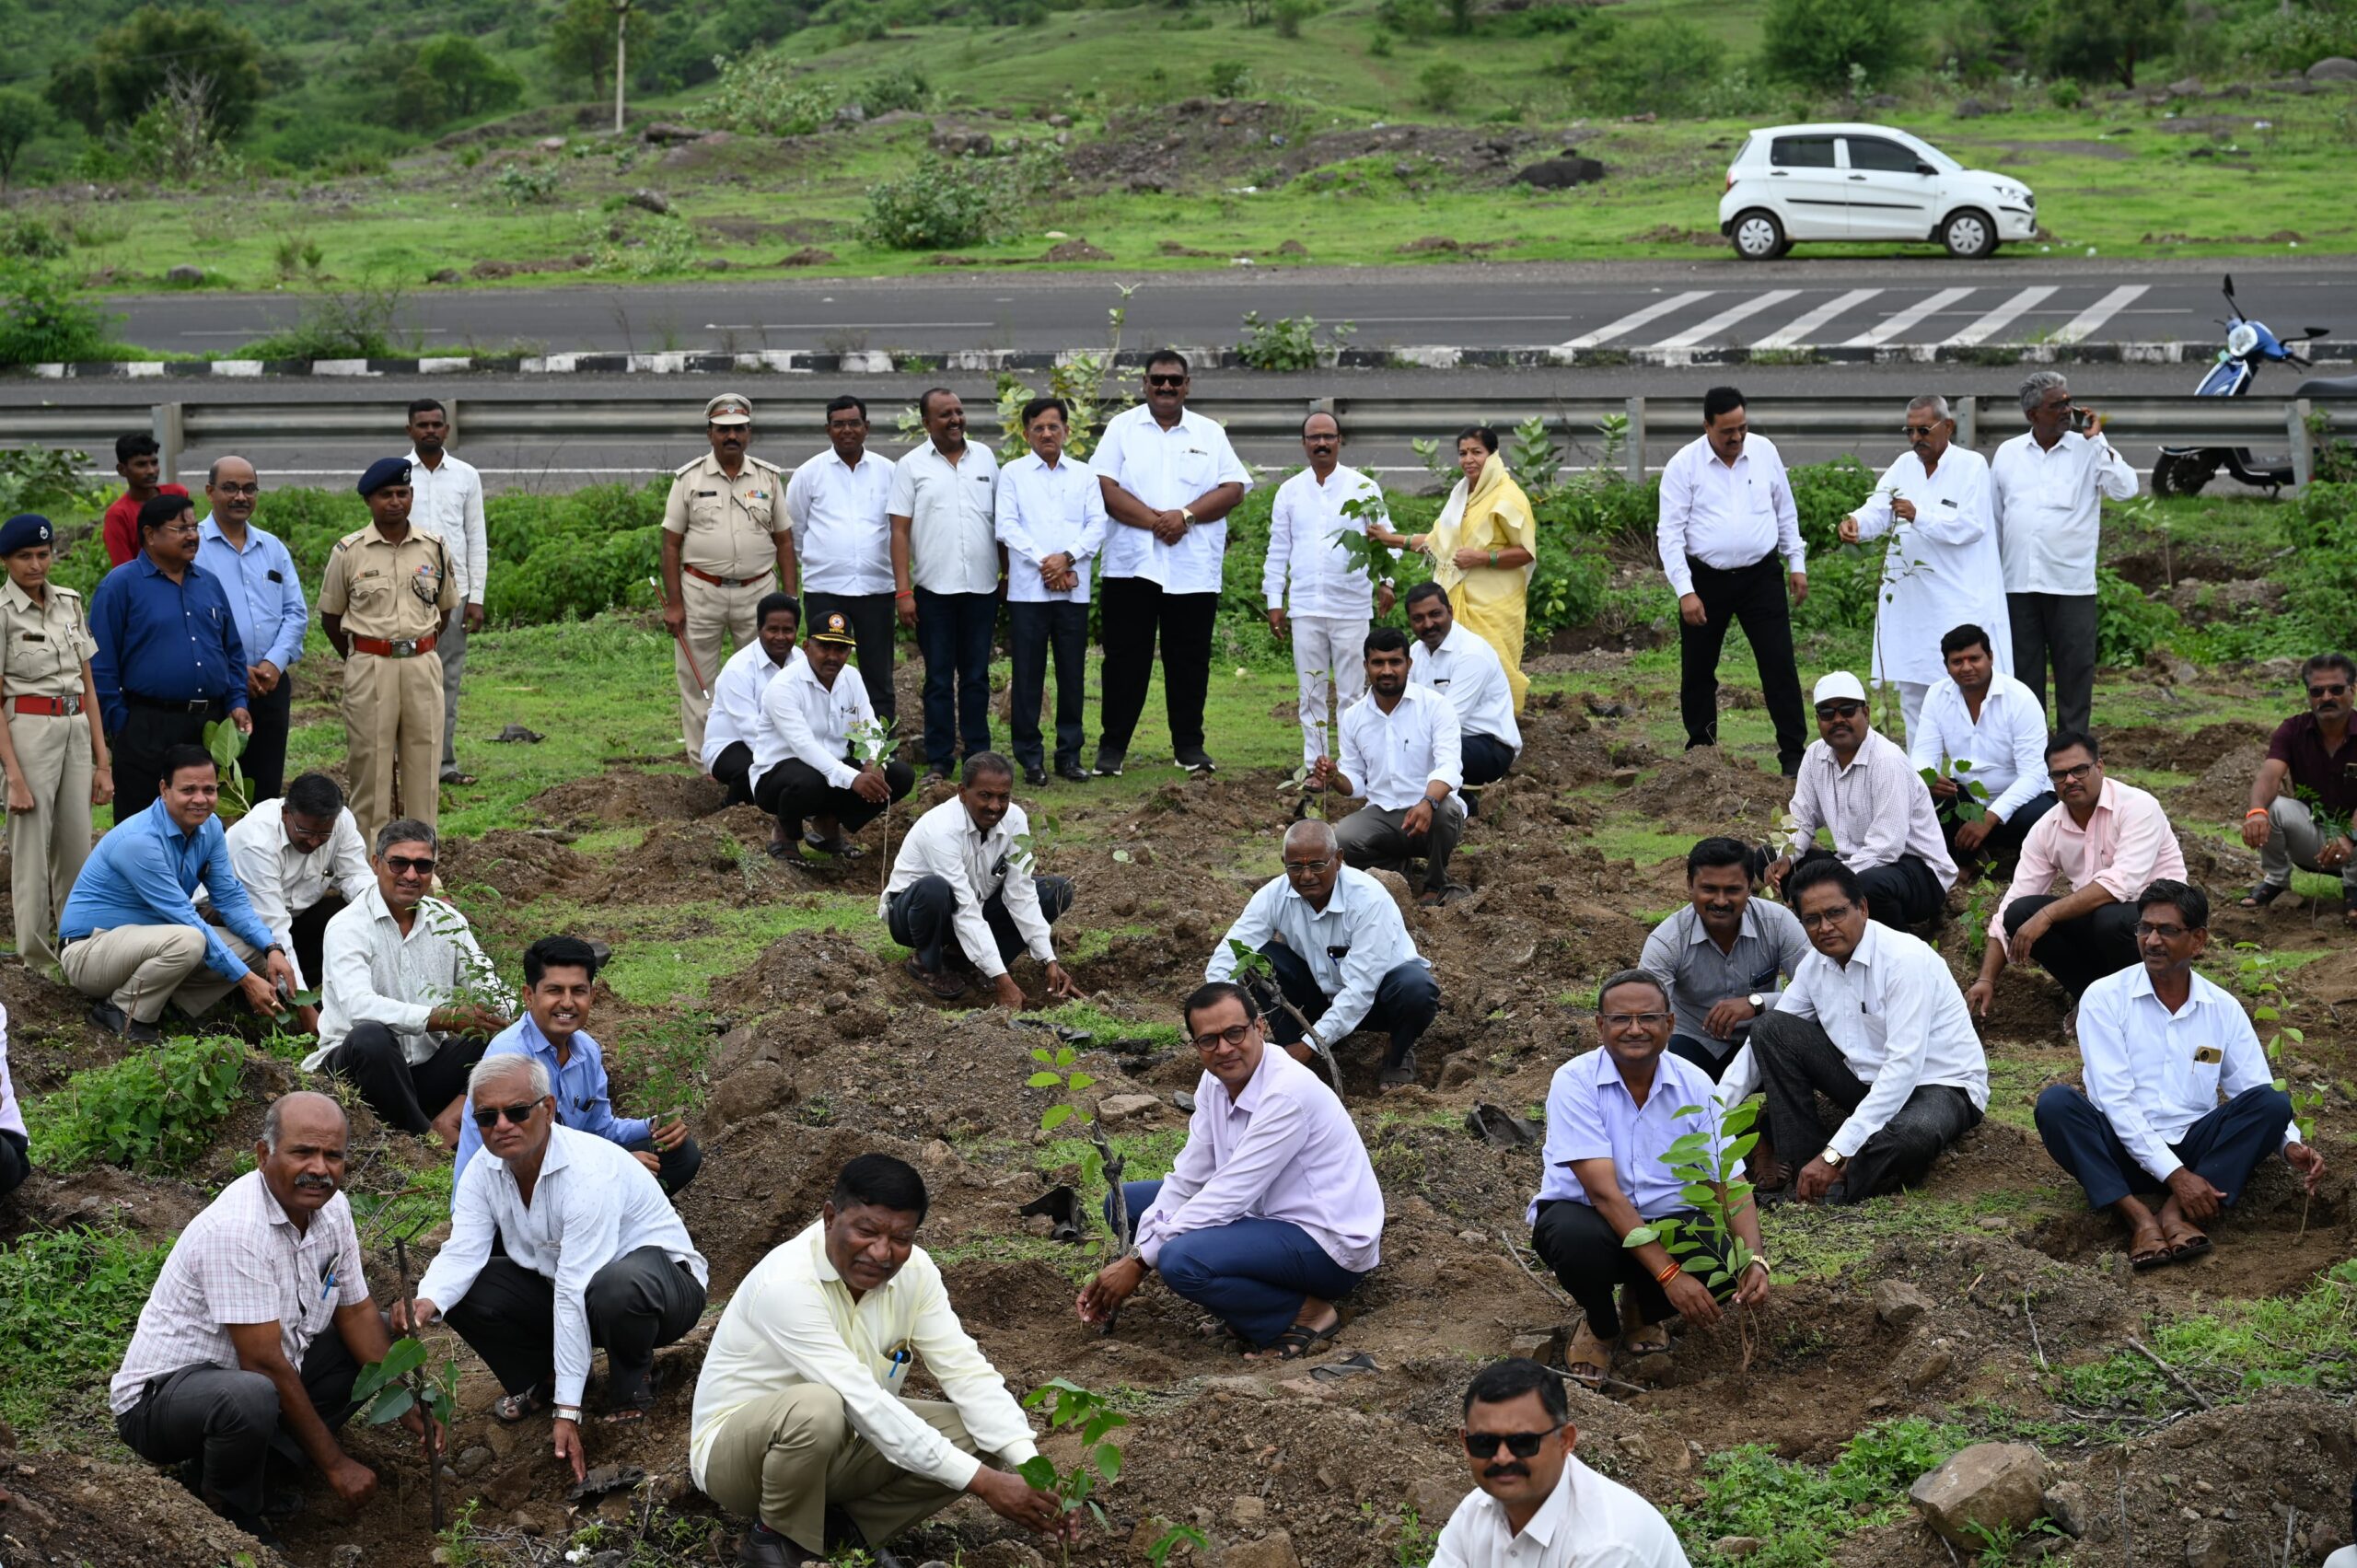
(762, 463)
(687, 468)
(355, 537)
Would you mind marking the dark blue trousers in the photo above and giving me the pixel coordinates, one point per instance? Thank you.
(1252, 1274)
(1486, 759)
(2223, 1148)
(1038, 634)
(1406, 1002)
(954, 636)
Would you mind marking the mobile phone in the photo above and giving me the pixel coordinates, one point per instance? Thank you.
(2081, 418)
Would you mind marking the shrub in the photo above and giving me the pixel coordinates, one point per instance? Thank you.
(1229, 78)
(758, 95)
(1662, 64)
(29, 238)
(903, 89)
(155, 1112)
(1288, 343)
(1815, 43)
(43, 319)
(1291, 14)
(68, 1302)
(2108, 41)
(939, 204)
(1408, 18)
(2321, 528)
(523, 184)
(1441, 84)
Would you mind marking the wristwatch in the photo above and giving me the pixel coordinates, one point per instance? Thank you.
(1832, 1159)
(1187, 514)
(1759, 999)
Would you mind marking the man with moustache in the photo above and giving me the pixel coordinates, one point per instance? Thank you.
(839, 501)
(1466, 671)
(265, 598)
(1982, 727)
(802, 764)
(1051, 521)
(447, 500)
(963, 897)
(943, 510)
(1723, 956)
(1331, 602)
(2305, 794)
(241, 1369)
(1401, 756)
(301, 860)
(726, 541)
(1862, 788)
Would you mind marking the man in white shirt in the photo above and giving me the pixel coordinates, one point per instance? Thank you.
(1170, 479)
(1341, 954)
(1875, 1023)
(1862, 788)
(735, 716)
(1534, 1504)
(802, 1406)
(802, 765)
(446, 499)
(590, 1254)
(1331, 601)
(841, 504)
(15, 1165)
(962, 894)
(1726, 513)
(2046, 488)
(1271, 1214)
(1465, 669)
(1401, 756)
(1939, 569)
(301, 861)
(1982, 727)
(408, 1003)
(1051, 521)
(943, 510)
(2181, 1098)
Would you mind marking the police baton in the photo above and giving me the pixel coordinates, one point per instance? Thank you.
(686, 653)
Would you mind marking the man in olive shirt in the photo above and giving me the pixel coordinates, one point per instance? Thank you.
(1723, 956)
(2303, 800)
(725, 530)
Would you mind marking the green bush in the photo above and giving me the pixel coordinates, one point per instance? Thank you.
(758, 95)
(1291, 14)
(1815, 43)
(43, 319)
(68, 1302)
(1441, 84)
(2321, 528)
(1229, 78)
(2108, 41)
(939, 204)
(155, 1112)
(1664, 65)
(1408, 18)
(903, 89)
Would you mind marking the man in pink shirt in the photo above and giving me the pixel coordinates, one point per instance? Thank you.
(2110, 841)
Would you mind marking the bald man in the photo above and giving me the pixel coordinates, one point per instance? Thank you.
(266, 601)
(1342, 953)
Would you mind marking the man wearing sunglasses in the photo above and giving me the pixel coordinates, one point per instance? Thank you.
(2305, 794)
(1861, 785)
(1536, 1505)
(408, 1001)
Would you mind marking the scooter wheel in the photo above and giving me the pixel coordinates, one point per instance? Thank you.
(2182, 474)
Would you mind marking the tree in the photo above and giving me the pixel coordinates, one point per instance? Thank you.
(1815, 43)
(580, 40)
(454, 78)
(2109, 40)
(22, 116)
(124, 73)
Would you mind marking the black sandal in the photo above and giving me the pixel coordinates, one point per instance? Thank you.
(1301, 1339)
(509, 1409)
(2263, 894)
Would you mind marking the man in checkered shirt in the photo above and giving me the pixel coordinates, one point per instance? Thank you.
(234, 1365)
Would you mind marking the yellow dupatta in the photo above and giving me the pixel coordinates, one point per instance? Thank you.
(1489, 600)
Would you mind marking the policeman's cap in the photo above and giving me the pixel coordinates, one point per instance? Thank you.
(24, 531)
(833, 628)
(382, 473)
(730, 408)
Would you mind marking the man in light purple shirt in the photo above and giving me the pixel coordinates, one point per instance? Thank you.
(1271, 1213)
(1862, 787)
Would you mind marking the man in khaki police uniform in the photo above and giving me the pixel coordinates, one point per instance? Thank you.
(724, 528)
(388, 593)
(53, 744)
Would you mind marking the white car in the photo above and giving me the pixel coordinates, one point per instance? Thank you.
(1795, 183)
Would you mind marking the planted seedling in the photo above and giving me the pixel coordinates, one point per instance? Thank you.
(227, 743)
(1253, 968)
(1069, 1407)
(389, 1389)
(871, 742)
(1704, 1165)
(1059, 1069)
(1971, 795)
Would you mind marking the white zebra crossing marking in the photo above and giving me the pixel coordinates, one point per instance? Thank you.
(1636, 320)
(1701, 331)
(1810, 321)
(2003, 315)
(2102, 311)
(1929, 306)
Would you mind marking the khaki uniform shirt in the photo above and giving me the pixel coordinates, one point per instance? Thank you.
(388, 590)
(46, 643)
(729, 525)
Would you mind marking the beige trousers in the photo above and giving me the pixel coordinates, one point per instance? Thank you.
(784, 1459)
(720, 620)
(140, 968)
(392, 729)
(48, 844)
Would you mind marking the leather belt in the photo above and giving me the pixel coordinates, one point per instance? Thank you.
(701, 575)
(398, 647)
(178, 705)
(55, 707)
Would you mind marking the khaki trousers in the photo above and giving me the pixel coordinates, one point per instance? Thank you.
(140, 968)
(48, 844)
(786, 1458)
(392, 728)
(720, 620)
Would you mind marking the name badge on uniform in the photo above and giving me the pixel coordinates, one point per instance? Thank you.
(2209, 1055)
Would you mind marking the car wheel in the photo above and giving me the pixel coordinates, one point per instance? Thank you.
(1757, 236)
(1968, 234)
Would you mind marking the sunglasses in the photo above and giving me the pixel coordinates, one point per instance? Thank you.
(1912, 431)
(1839, 710)
(404, 867)
(488, 1116)
(1521, 1444)
(1166, 381)
(2331, 689)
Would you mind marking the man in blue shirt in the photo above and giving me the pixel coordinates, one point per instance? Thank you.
(559, 974)
(265, 598)
(169, 658)
(133, 940)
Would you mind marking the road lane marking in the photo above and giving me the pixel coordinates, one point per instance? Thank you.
(2004, 315)
(1703, 331)
(2102, 311)
(1914, 313)
(1802, 325)
(1636, 320)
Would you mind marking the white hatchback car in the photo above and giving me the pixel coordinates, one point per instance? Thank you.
(1797, 182)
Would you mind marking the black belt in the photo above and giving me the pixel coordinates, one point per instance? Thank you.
(178, 705)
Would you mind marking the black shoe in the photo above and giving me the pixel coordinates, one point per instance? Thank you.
(844, 1536)
(1472, 799)
(764, 1548)
(110, 1017)
(1195, 759)
(1071, 772)
(1034, 774)
(1108, 762)
(938, 771)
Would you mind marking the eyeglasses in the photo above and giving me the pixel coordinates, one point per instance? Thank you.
(1177, 381)
(1521, 1444)
(402, 865)
(2071, 775)
(488, 1118)
(179, 530)
(1839, 710)
(1912, 431)
(239, 489)
(1622, 1020)
(2165, 933)
(1826, 917)
(1307, 868)
(1235, 1034)
(2329, 689)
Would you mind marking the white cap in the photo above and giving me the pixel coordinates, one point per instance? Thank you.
(1839, 684)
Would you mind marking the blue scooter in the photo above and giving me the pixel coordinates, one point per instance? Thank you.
(2183, 470)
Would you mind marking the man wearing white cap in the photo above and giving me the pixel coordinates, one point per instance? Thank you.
(725, 530)
(1863, 788)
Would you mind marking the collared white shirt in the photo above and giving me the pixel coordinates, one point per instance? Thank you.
(592, 1203)
(1466, 670)
(842, 531)
(1349, 946)
(737, 699)
(1591, 1115)
(2049, 503)
(1306, 568)
(241, 1262)
(802, 718)
(1587, 1521)
(1680, 953)
(376, 975)
(2153, 1073)
(794, 1322)
(1942, 569)
(1895, 1014)
(2006, 745)
(12, 1116)
(1879, 807)
(951, 508)
(1726, 516)
(1046, 511)
(1389, 758)
(1284, 1149)
(448, 501)
(280, 881)
(944, 843)
(1168, 470)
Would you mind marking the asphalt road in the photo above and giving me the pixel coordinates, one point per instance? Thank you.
(1712, 300)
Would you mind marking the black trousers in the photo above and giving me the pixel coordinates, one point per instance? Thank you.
(2225, 1146)
(402, 1094)
(1902, 893)
(1754, 597)
(732, 768)
(874, 624)
(15, 1163)
(1486, 759)
(675, 1168)
(1134, 611)
(953, 634)
(636, 1304)
(2078, 953)
(1798, 1061)
(264, 761)
(1699, 1053)
(1407, 1000)
(1580, 1245)
(1037, 634)
(310, 932)
(230, 1420)
(923, 916)
(137, 748)
(794, 792)
(2004, 844)
(2057, 629)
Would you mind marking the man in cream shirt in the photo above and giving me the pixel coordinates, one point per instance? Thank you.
(800, 1420)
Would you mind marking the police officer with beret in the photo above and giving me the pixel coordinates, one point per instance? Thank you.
(54, 745)
(724, 530)
(388, 593)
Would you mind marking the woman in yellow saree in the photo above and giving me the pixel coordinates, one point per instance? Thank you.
(1482, 549)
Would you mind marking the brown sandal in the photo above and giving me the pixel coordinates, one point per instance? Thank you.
(1587, 1358)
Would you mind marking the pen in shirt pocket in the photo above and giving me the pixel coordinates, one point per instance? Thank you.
(901, 1356)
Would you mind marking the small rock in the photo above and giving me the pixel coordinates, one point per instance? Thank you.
(550, 143)
(1183, 1100)
(1898, 1304)
(2187, 86)
(1971, 109)
(1272, 1550)
(1060, 121)
(2333, 68)
(1737, 1546)
(1248, 1513)
(1997, 1486)
(185, 273)
(448, 274)
(2069, 1507)
(937, 1152)
(2210, 1545)
(1240, 1388)
(475, 1461)
(649, 202)
(1560, 173)
(1931, 1369)
(1120, 1108)
(1654, 1367)
(663, 131)
(1459, 1070)
(1433, 1501)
